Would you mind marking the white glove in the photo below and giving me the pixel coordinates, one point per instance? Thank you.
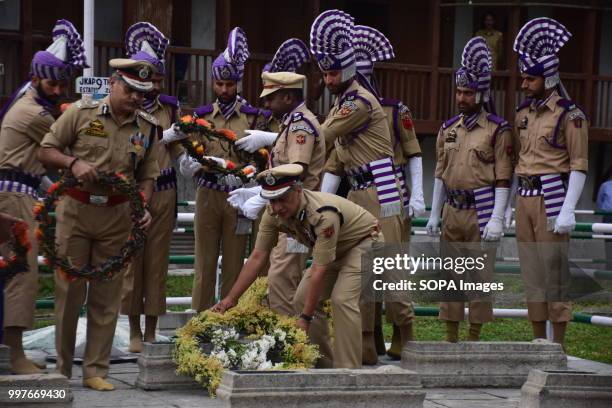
(238, 197)
(188, 166)
(219, 161)
(253, 206)
(255, 140)
(494, 228)
(416, 208)
(508, 215)
(330, 183)
(173, 134)
(566, 220)
(437, 202)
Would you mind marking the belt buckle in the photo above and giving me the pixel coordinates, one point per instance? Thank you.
(460, 198)
(353, 181)
(100, 200)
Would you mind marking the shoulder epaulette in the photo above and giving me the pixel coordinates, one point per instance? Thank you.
(451, 121)
(86, 104)
(390, 102)
(168, 100)
(148, 117)
(333, 209)
(566, 104)
(249, 110)
(203, 110)
(524, 104)
(497, 120)
(307, 126)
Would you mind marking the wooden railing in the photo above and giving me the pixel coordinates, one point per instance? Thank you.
(188, 77)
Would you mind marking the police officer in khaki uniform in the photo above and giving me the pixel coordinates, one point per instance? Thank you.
(371, 46)
(93, 222)
(339, 232)
(144, 288)
(25, 120)
(473, 171)
(552, 145)
(217, 224)
(299, 141)
(363, 151)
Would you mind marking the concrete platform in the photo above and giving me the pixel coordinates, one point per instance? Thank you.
(126, 395)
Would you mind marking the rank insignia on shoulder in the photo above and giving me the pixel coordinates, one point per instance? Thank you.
(96, 128)
(451, 137)
(523, 123)
(577, 116)
(85, 103)
(297, 117)
(347, 107)
(300, 126)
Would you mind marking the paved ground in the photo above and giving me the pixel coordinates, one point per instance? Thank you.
(126, 395)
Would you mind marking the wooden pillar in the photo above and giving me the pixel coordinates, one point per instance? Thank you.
(224, 23)
(512, 83)
(315, 87)
(588, 60)
(156, 12)
(26, 37)
(434, 19)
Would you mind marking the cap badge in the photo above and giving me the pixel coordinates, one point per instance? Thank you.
(143, 73)
(270, 179)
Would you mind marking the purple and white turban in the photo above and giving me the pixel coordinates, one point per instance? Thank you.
(61, 58)
(370, 46)
(144, 42)
(229, 65)
(538, 44)
(476, 66)
(331, 42)
(289, 57)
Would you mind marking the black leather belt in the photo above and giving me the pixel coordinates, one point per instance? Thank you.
(20, 177)
(360, 179)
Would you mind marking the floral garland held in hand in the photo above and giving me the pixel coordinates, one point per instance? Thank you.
(247, 337)
(20, 245)
(114, 264)
(190, 124)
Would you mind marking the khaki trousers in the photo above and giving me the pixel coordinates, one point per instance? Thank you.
(342, 284)
(462, 226)
(144, 284)
(395, 232)
(215, 225)
(544, 267)
(284, 276)
(88, 234)
(20, 292)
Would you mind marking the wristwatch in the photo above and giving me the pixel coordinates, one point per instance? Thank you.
(306, 318)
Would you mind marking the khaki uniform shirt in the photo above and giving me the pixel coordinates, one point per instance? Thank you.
(166, 114)
(401, 127)
(91, 132)
(357, 128)
(476, 158)
(244, 118)
(300, 141)
(23, 128)
(328, 224)
(495, 42)
(535, 138)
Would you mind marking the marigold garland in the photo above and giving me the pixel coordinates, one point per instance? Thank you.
(46, 234)
(191, 124)
(20, 245)
(255, 322)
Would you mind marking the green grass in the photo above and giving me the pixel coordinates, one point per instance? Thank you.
(582, 340)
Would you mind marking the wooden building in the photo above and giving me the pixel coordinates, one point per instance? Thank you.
(427, 35)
